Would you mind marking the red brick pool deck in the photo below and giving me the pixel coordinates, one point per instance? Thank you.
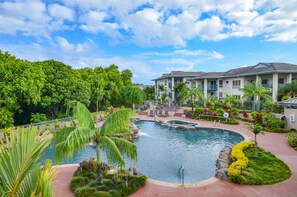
(273, 142)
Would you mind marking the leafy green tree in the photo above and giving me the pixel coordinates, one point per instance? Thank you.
(126, 77)
(132, 96)
(62, 85)
(192, 94)
(72, 139)
(177, 89)
(289, 89)
(20, 172)
(149, 92)
(256, 91)
(20, 84)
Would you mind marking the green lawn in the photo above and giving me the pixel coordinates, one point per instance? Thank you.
(264, 169)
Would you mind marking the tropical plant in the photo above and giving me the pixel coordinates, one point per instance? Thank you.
(229, 100)
(20, 172)
(117, 124)
(192, 94)
(132, 96)
(292, 139)
(256, 91)
(256, 129)
(38, 117)
(212, 103)
(270, 120)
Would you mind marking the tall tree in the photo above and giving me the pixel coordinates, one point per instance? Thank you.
(192, 94)
(72, 139)
(20, 84)
(132, 96)
(256, 91)
(20, 172)
(149, 92)
(62, 85)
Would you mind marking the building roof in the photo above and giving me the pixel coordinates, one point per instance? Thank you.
(179, 74)
(291, 103)
(260, 68)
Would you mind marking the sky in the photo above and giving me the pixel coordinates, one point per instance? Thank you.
(151, 37)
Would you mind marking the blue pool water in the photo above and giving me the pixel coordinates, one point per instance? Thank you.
(161, 151)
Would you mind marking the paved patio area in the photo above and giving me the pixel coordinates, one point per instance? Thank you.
(273, 142)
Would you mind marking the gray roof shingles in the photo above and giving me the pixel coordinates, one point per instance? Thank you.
(260, 68)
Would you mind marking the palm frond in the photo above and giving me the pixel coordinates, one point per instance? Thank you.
(47, 176)
(75, 140)
(82, 114)
(23, 151)
(128, 148)
(61, 134)
(118, 122)
(112, 152)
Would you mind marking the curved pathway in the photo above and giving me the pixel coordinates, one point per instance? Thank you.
(273, 142)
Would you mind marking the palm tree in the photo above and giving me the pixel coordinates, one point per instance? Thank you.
(229, 100)
(256, 91)
(192, 94)
(71, 139)
(256, 129)
(133, 96)
(20, 172)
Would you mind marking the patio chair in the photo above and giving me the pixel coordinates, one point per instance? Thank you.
(151, 113)
(159, 113)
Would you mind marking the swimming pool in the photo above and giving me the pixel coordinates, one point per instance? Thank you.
(161, 151)
(179, 122)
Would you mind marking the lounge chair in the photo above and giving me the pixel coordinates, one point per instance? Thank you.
(159, 113)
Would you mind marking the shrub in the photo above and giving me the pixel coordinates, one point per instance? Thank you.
(197, 111)
(38, 117)
(245, 114)
(240, 161)
(292, 139)
(85, 191)
(102, 194)
(272, 121)
(57, 124)
(234, 111)
(134, 183)
(220, 111)
(114, 193)
(108, 183)
(257, 116)
(77, 182)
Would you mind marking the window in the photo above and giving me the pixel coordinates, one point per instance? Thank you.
(264, 81)
(237, 97)
(220, 83)
(281, 80)
(236, 84)
(220, 95)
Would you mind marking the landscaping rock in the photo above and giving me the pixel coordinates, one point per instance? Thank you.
(223, 163)
(222, 174)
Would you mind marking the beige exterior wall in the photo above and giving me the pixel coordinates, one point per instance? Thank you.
(291, 121)
(229, 89)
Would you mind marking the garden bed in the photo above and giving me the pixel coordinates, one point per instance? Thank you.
(262, 170)
(99, 180)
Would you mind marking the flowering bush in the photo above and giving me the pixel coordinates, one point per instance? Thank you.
(240, 161)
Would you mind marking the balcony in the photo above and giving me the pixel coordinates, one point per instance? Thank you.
(267, 85)
(212, 87)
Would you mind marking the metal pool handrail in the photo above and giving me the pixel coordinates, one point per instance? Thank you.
(182, 171)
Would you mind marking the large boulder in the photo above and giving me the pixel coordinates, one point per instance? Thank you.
(223, 163)
(222, 174)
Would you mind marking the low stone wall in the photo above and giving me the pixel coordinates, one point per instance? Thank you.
(223, 163)
(177, 126)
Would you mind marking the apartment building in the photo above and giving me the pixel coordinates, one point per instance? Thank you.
(271, 75)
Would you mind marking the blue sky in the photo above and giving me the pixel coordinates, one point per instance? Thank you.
(151, 37)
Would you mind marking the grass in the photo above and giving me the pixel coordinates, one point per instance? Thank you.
(262, 170)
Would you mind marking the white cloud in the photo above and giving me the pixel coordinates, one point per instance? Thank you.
(61, 12)
(154, 23)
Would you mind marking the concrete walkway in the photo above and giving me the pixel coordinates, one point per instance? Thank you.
(273, 142)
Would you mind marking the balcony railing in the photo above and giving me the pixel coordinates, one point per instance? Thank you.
(212, 87)
(267, 85)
